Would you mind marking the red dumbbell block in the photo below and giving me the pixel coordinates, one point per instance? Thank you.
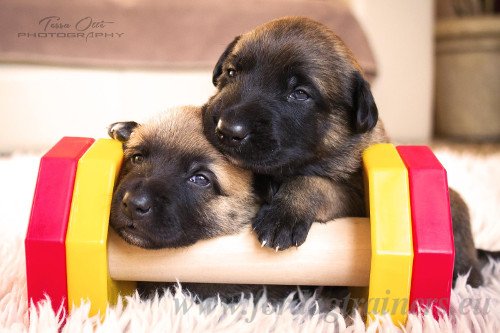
(46, 234)
(433, 244)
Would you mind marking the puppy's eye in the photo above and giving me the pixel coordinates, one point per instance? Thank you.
(231, 72)
(299, 95)
(137, 159)
(200, 180)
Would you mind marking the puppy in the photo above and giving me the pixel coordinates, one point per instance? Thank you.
(292, 105)
(174, 188)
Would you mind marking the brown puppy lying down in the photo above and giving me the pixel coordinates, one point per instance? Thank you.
(175, 188)
(292, 106)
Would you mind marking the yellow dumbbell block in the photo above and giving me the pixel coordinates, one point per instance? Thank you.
(386, 179)
(86, 239)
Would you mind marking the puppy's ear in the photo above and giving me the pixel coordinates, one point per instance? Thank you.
(121, 131)
(364, 107)
(218, 67)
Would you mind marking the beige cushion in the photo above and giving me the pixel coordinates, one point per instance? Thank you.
(174, 33)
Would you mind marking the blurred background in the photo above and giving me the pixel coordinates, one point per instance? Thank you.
(72, 68)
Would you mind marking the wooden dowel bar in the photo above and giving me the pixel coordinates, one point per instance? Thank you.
(335, 253)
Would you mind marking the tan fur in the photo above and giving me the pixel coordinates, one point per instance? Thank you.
(179, 127)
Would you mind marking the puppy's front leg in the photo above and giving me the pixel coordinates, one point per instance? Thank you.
(285, 220)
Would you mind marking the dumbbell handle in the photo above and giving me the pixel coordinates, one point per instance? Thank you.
(335, 253)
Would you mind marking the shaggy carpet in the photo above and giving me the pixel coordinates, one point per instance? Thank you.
(473, 172)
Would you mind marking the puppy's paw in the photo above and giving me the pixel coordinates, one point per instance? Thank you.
(279, 229)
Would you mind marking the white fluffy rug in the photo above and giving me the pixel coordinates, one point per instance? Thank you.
(475, 175)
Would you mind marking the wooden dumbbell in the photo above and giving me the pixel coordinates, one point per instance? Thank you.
(379, 252)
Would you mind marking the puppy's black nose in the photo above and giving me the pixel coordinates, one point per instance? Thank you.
(231, 133)
(136, 205)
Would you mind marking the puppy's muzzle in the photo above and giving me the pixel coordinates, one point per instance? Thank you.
(231, 133)
(137, 205)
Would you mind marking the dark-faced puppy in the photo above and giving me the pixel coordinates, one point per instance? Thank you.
(174, 187)
(292, 105)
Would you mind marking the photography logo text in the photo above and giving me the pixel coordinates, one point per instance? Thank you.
(85, 28)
